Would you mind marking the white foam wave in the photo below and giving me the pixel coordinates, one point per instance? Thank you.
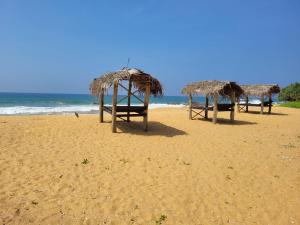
(252, 101)
(255, 101)
(156, 106)
(32, 110)
(46, 110)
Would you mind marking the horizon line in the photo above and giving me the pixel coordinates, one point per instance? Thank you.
(57, 93)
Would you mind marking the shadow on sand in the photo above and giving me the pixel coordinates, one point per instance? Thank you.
(154, 129)
(228, 122)
(265, 113)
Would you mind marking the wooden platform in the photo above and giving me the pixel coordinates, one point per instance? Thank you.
(221, 107)
(245, 106)
(122, 111)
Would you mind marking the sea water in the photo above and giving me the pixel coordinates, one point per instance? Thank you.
(37, 103)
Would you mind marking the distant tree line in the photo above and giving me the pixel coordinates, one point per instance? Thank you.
(290, 93)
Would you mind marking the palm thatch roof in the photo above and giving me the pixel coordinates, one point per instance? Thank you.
(260, 89)
(138, 77)
(212, 87)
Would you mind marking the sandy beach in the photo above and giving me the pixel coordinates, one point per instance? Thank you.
(59, 169)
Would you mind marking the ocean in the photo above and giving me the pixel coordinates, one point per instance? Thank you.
(37, 103)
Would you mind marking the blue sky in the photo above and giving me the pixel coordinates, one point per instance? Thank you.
(60, 46)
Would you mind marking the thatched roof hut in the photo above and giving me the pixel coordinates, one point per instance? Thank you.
(138, 78)
(143, 83)
(212, 87)
(260, 89)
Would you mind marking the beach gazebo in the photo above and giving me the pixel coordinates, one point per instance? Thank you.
(215, 89)
(139, 84)
(261, 91)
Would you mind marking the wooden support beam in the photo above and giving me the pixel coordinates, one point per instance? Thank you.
(122, 99)
(190, 107)
(114, 106)
(132, 93)
(122, 86)
(206, 107)
(262, 104)
(215, 108)
(131, 115)
(270, 103)
(146, 103)
(247, 102)
(129, 99)
(101, 104)
(232, 111)
(197, 113)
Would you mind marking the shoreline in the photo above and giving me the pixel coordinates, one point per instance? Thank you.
(69, 110)
(61, 110)
(82, 109)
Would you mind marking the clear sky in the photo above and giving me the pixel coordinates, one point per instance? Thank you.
(60, 46)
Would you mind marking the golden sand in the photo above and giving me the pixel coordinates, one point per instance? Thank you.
(180, 172)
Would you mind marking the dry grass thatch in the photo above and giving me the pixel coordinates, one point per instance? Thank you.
(138, 78)
(260, 89)
(212, 87)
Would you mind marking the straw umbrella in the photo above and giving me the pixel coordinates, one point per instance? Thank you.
(259, 90)
(215, 89)
(143, 83)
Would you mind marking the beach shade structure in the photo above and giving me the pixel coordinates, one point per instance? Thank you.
(215, 89)
(261, 91)
(140, 86)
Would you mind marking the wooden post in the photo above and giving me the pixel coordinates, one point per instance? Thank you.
(146, 103)
(270, 103)
(101, 104)
(215, 108)
(237, 105)
(262, 104)
(206, 107)
(247, 102)
(232, 111)
(129, 99)
(114, 106)
(190, 106)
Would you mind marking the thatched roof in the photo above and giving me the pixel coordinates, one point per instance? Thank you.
(138, 78)
(260, 89)
(211, 87)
